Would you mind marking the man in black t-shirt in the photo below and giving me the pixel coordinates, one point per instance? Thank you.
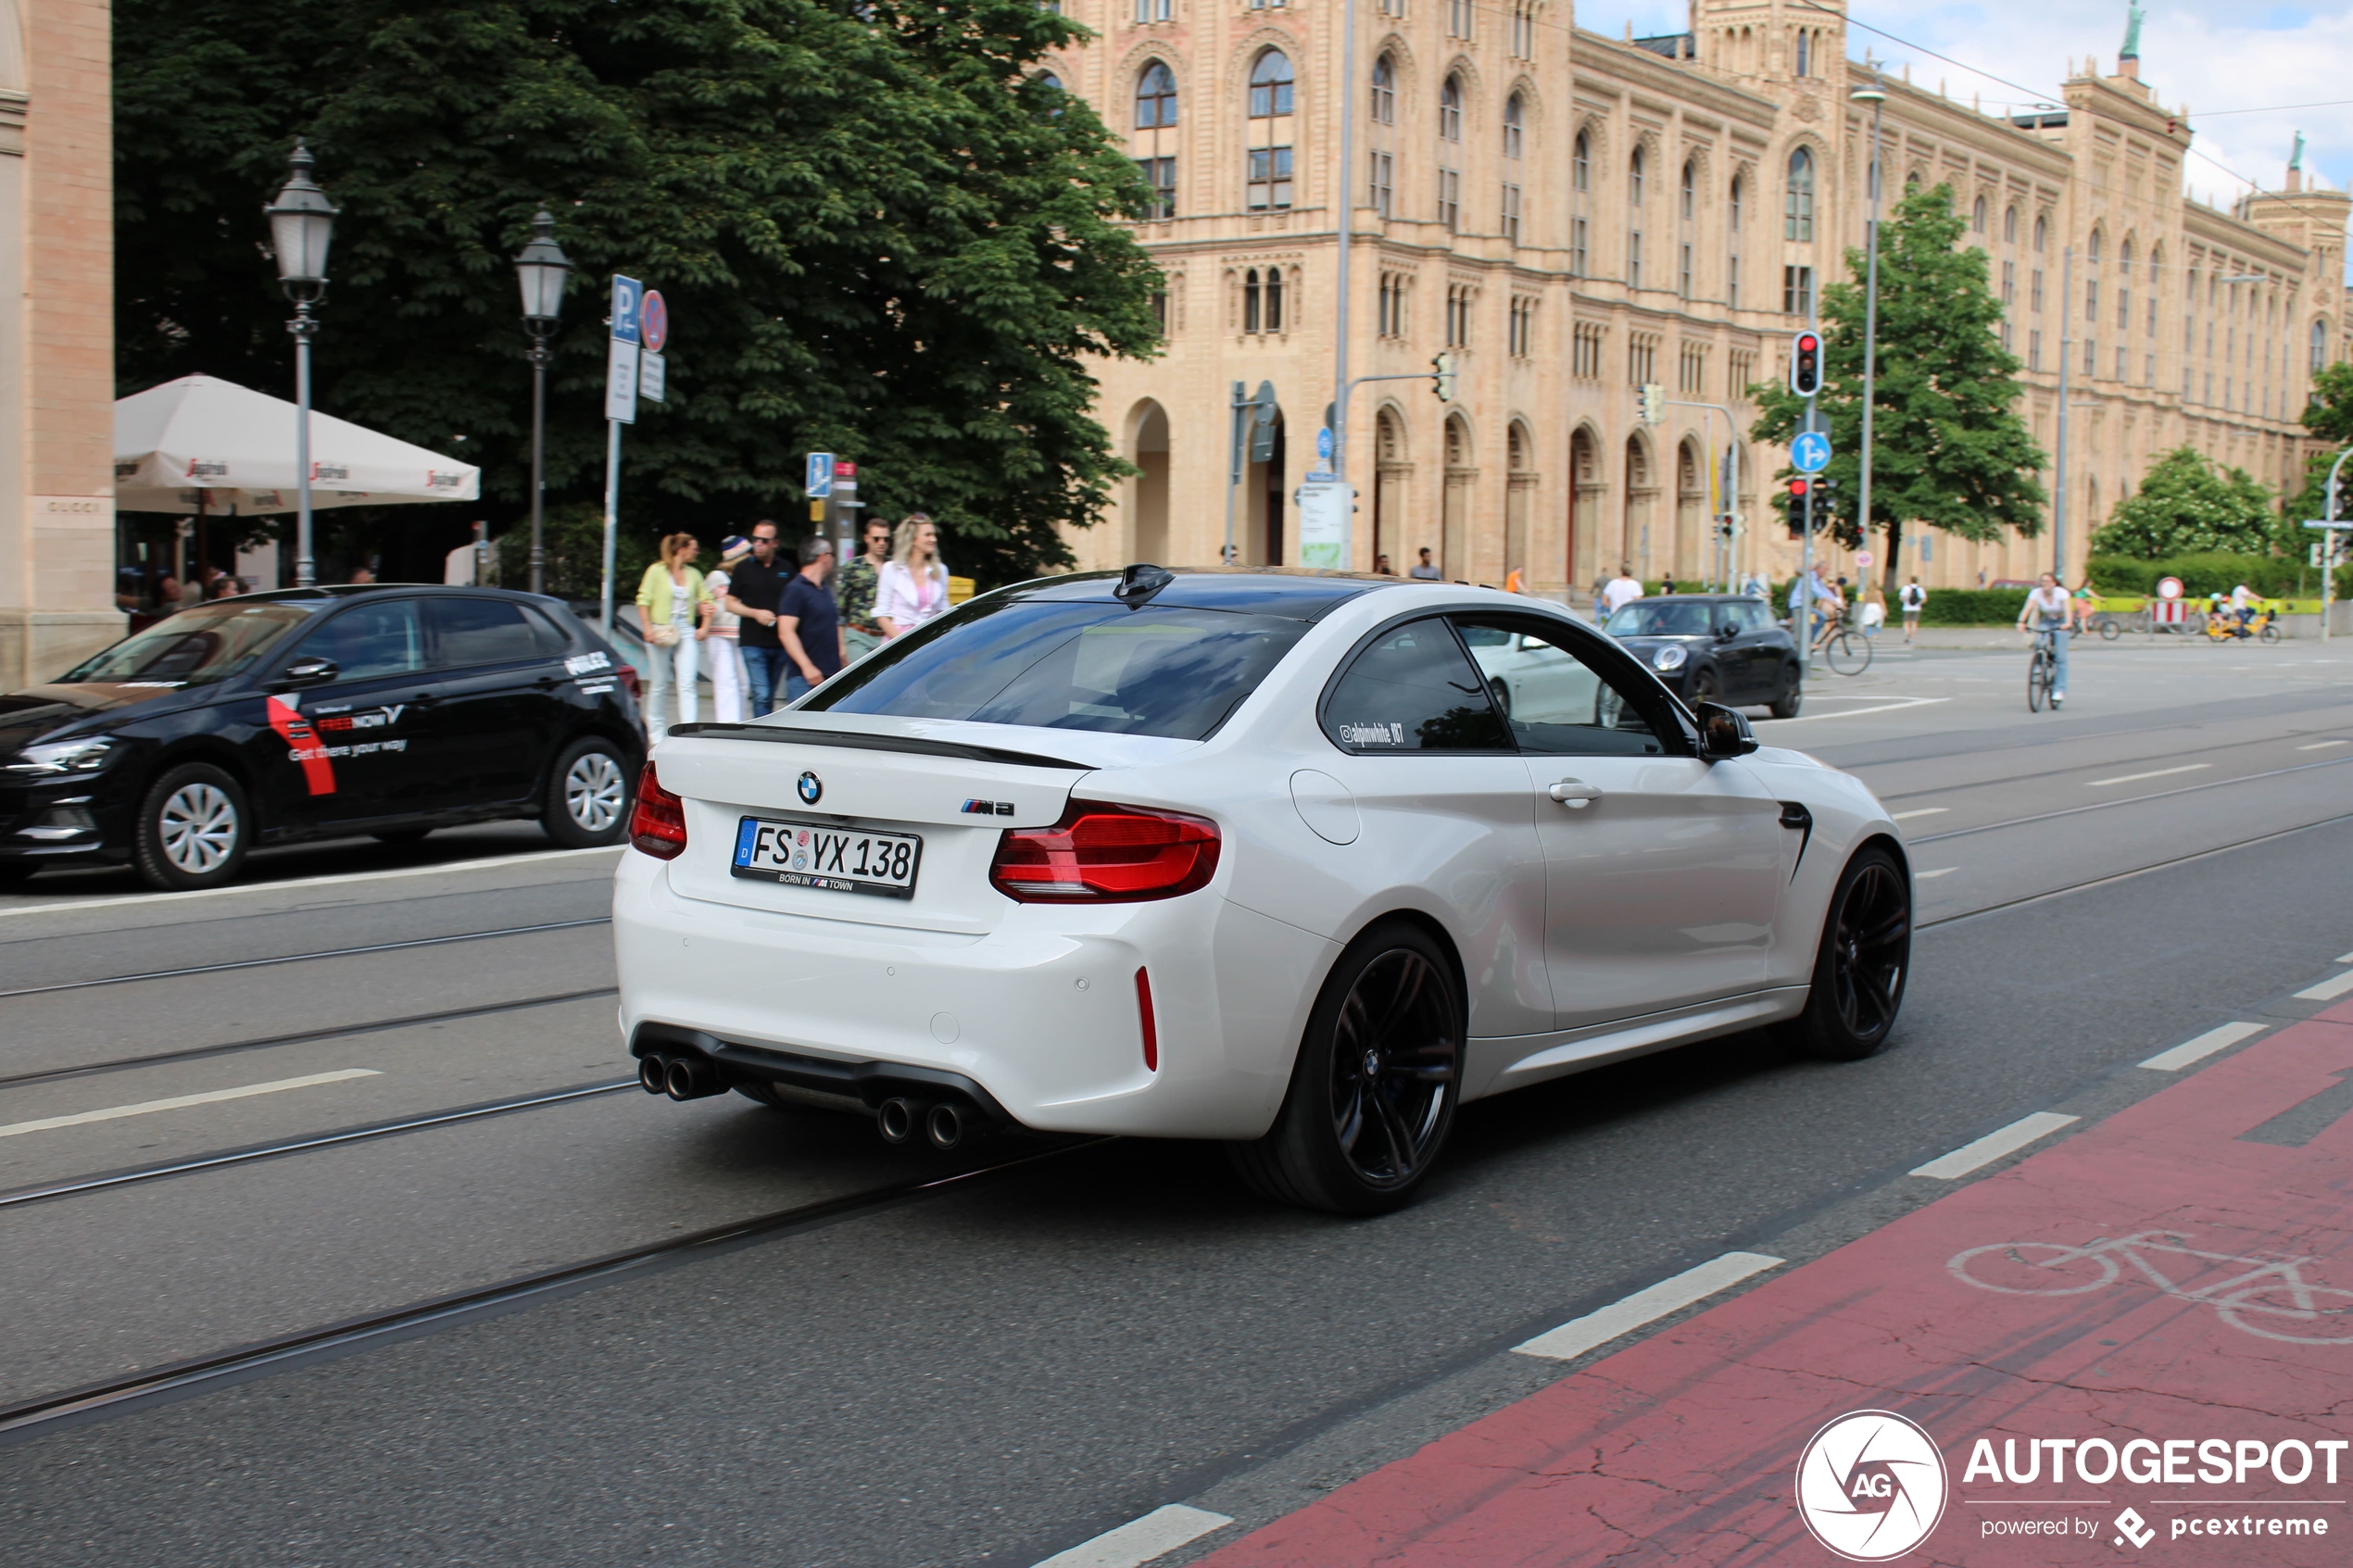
(808, 622)
(754, 591)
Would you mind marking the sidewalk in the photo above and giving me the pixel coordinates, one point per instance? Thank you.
(2167, 1296)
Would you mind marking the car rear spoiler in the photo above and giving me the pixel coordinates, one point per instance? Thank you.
(852, 741)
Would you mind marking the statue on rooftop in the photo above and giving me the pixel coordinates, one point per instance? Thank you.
(2133, 17)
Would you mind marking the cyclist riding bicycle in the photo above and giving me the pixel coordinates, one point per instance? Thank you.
(2048, 607)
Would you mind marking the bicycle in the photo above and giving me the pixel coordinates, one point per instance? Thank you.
(2042, 671)
(2227, 627)
(2273, 1291)
(1845, 653)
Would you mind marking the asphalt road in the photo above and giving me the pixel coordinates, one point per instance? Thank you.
(908, 1369)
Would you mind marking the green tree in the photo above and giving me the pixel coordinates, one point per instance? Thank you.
(2188, 505)
(2330, 417)
(1948, 446)
(879, 231)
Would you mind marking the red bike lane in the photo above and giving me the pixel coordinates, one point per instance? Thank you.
(1685, 1447)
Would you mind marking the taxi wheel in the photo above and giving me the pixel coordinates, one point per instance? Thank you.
(194, 829)
(1374, 1091)
(587, 796)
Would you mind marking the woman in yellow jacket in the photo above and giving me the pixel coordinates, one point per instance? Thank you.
(673, 605)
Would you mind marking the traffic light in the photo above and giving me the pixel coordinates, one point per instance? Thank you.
(1654, 403)
(1442, 377)
(1805, 364)
(1798, 490)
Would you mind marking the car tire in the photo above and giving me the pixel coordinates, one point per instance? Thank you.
(1792, 696)
(194, 829)
(1359, 1142)
(1700, 688)
(401, 838)
(588, 794)
(1862, 964)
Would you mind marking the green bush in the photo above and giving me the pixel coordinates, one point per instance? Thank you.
(2216, 573)
(1972, 606)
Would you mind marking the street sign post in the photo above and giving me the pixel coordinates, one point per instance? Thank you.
(820, 481)
(653, 376)
(1810, 453)
(621, 350)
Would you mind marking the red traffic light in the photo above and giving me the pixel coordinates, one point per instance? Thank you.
(1808, 344)
(1805, 364)
(1797, 489)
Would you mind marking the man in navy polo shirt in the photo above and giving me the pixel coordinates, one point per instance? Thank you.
(808, 622)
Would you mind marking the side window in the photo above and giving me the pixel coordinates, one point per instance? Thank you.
(1413, 690)
(549, 636)
(1563, 702)
(480, 631)
(1757, 617)
(371, 638)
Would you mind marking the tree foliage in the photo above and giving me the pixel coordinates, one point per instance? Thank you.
(2189, 505)
(879, 233)
(2330, 417)
(2330, 414)
(1949, 445)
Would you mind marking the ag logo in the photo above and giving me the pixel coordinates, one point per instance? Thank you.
(811, 787)
(1871, 1485)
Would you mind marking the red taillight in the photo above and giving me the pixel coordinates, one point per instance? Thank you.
(658, 826)
(1152, 1024)
(628, 672)
(1106, 855)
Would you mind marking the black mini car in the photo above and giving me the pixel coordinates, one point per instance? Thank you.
(316, 713)
(1715, 647)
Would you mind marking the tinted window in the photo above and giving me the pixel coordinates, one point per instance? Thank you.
(1560, 702)
(1755, 617)
(195, 647)
(371, 638)
(1661, 618)
(1085, 665)
(550, 637)
(482, 632)
(1413, 690)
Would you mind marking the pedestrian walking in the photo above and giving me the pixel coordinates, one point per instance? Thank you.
(756, 586)
(722, 634)
(913, 586)
(1514, 582)
(1382, 567)
(808, 622)
(1621, 591)
(1422, 569)
(1666, 583)
(1874, 609)
(670, 609)
(2046, 606)
(856, 588)
(1912, 599)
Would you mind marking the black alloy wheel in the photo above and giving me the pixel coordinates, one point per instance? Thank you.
(1865, 959)
(1792, 698)
(1373, 1093)
(1702, 688)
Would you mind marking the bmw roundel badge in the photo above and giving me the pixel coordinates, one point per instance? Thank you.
(811, 787)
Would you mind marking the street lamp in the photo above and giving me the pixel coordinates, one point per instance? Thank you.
(542, 272)
(302, 223)
(1877, 98)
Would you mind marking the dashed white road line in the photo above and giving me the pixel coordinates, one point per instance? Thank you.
(1993, 1144)
(1941, 871)
(1139, 1540)
(2159, 774)
(296, 884)
(178, 1102)
(2329, 989)
(2323, 744)
(1923, 811)
(1859, 713)
(2206, 1045)
(1578, 1335)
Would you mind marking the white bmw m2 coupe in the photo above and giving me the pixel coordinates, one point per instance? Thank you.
(1297, 861)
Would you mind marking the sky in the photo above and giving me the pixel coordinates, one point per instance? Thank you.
(2213, 55)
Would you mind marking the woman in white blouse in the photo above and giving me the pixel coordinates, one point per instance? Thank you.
(913, 586)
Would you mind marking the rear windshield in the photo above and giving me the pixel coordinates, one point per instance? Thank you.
(1661, 618)
(1059, 665)
(196, 647)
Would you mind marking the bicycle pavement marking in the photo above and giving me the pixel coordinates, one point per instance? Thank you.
(1683, 1447)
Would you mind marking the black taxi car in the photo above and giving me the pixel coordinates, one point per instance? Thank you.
(1715, 647)
(315, 712)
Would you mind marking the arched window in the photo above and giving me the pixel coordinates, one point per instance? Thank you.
(1634, 178)
(1805, 52)
(1798, 207)
(1450, 110)
(1274, 299)
(1385, 91)
(2092, 250)
(1977, 216)
(1739, 193)
(2041, 231)
(2320, 358)
(1047, 78)
(2009, 226)
(1514, 122)
(1581, 166)
(2124, 259)
(1250, 300)
(1689, 197)
(1270, 85)
(1911, 182)
(1155, 98)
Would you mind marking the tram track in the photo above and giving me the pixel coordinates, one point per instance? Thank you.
(305, 957)
(27, 1417)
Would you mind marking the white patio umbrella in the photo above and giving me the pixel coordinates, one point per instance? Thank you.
(202, 445)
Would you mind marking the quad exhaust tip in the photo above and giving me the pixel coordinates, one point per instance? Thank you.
(690, 1077)
(653, 1074)
(896, 1118)
(944, 1126)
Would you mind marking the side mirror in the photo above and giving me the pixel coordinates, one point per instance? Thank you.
(1727, 631)
(307, 672)
(1724, 731)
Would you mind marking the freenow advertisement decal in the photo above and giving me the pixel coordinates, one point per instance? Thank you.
(2135, 1346)
(303, 745)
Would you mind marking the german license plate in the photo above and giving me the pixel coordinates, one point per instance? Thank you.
(835, 860)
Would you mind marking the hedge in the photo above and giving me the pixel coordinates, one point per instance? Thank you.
(1945, 606)
(2276, 577)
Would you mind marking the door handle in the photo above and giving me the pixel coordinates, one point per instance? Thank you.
(1575, 794)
